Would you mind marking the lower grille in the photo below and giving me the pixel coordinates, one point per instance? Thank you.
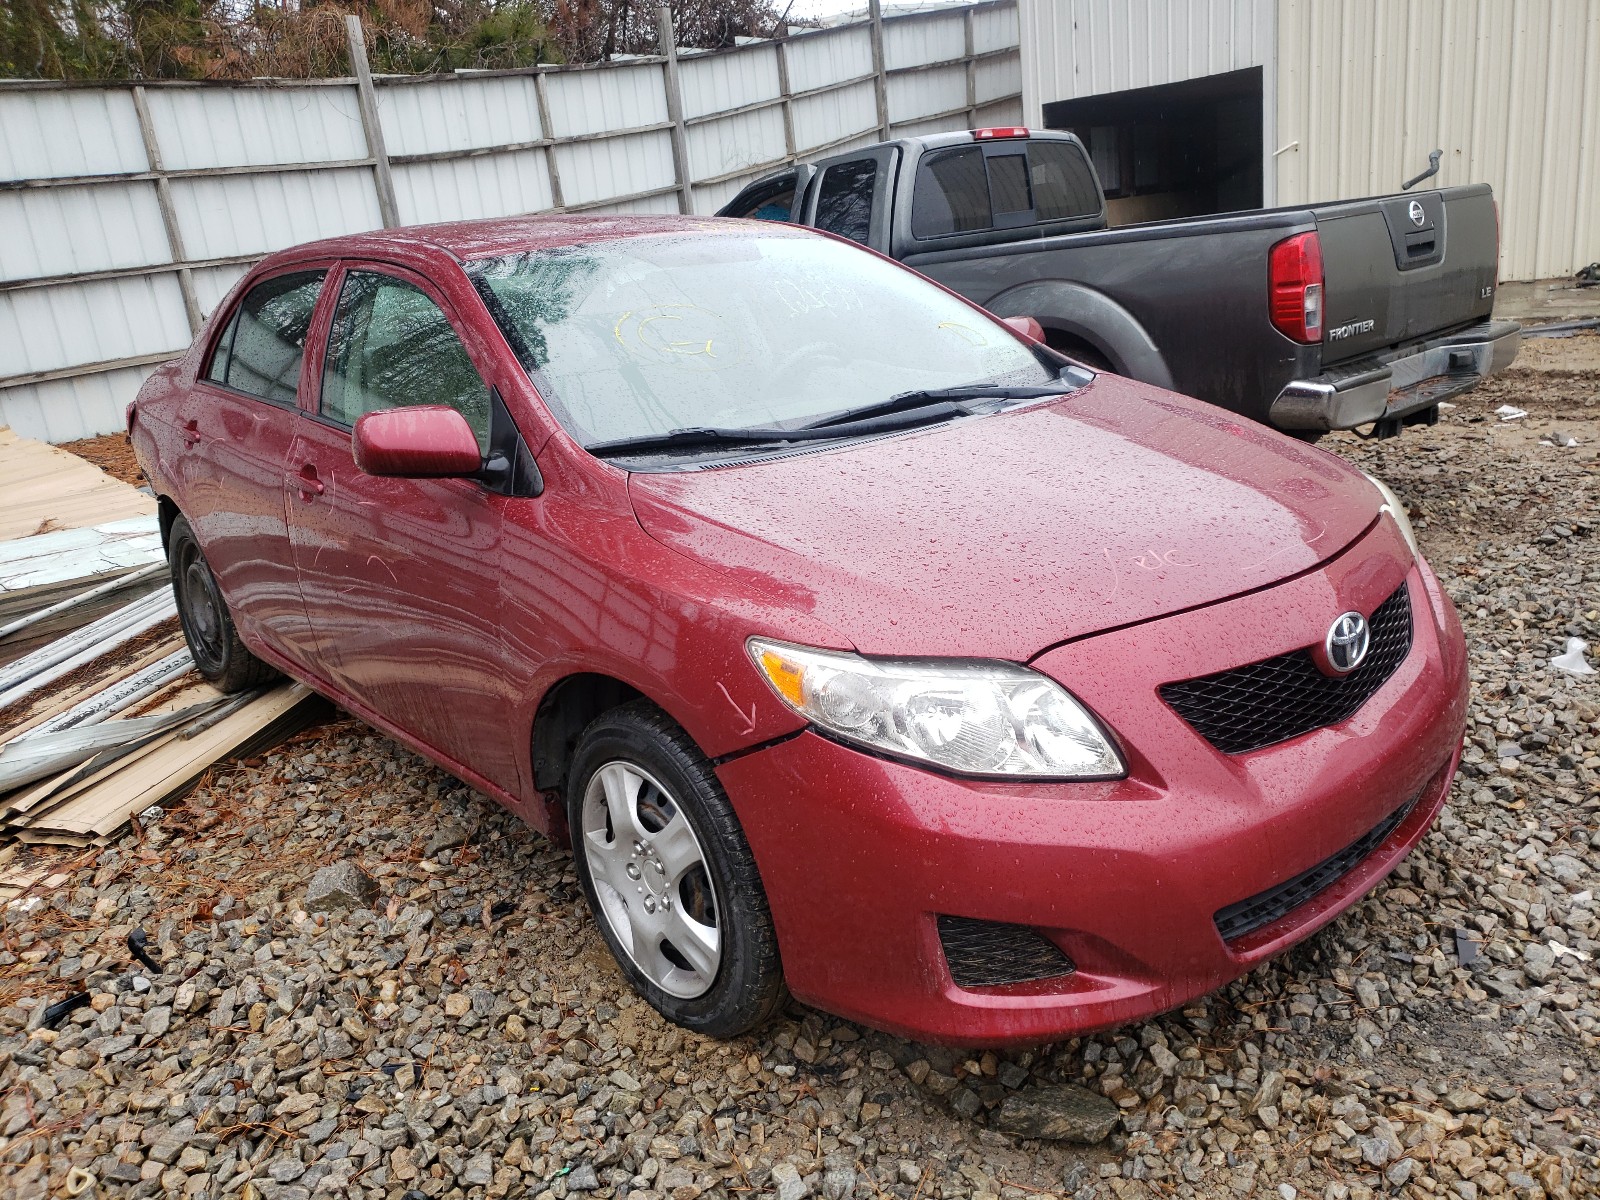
(1279, 698)
(992, 954)
(1263, 909)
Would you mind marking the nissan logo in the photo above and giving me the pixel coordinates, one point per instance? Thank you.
(1418, 217)
(1349, 638)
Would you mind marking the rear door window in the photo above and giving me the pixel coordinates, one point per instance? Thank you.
(392, 346)
(772, 200)
(844, 199)
(974, 188)
(263, 348)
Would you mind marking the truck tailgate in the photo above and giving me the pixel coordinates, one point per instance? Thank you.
(1399, 268)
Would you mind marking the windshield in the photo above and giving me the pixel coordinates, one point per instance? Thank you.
(733, 329)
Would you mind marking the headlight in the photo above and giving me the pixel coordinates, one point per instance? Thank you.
(1396, 511)
(973, 718)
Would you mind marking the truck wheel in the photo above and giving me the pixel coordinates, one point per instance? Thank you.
(669, 875)
(219, 654)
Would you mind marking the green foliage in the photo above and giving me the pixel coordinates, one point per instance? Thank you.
(52, 39)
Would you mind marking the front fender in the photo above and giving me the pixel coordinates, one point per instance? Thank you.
(1092, 316)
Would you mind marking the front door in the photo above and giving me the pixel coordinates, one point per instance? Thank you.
(237, 424)
(400, 576)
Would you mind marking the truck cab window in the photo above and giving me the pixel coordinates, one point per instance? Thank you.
(844, 199)
(952, 194)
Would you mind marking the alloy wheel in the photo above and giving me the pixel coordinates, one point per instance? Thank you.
(651, 877)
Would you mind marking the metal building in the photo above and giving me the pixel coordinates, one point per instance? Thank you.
(1193, 106)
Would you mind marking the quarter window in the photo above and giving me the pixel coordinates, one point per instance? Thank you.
(844, 199)
(264, 346)
(390, 347)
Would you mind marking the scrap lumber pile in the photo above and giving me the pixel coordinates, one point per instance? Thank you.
(101, 711)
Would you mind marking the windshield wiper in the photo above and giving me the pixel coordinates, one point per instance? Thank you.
(928, 397)
(924, 412)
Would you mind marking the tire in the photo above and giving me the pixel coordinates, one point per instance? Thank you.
(677, 896)
(219, 654)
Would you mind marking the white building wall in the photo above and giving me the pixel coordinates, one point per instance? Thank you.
(1357, 92)
(1508, 89)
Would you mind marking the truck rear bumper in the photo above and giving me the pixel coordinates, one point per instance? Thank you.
(1389, 387)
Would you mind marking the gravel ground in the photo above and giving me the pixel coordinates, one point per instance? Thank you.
(462, 1032)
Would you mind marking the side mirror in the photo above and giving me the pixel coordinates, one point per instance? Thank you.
(1027, 327)
(429, 441)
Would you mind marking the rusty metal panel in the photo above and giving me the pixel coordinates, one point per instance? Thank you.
(79, 131)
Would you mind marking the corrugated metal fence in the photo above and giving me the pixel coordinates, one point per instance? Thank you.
(126, 213)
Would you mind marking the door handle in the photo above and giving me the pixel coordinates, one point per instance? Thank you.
(191, 433)
(308, 483)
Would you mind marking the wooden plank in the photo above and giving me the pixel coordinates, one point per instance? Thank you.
(102, 810)
(43, 488)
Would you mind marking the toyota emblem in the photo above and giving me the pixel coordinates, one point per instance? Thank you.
(1349, 638)
(1418, 217)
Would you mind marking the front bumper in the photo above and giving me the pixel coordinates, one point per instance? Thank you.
(860, 856)
(1392, 387)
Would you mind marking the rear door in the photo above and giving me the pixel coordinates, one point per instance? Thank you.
(236, 424)
(401, 576)
(1399, 268)
(776, 198)
(850, 195)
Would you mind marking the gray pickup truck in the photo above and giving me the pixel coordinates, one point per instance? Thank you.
(1316, 317)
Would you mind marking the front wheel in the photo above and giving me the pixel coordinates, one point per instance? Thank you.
(669, 875)
(214, 643)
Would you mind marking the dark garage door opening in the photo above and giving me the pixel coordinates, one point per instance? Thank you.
(1175, 150)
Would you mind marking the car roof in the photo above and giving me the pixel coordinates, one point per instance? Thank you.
(467, 240)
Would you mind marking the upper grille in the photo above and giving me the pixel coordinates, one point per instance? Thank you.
(1264, 908)
(991, 954)
(1279, 698)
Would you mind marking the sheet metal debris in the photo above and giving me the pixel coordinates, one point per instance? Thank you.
(102, 714)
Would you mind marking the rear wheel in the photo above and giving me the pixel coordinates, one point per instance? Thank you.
(219, 654)
(669, 875)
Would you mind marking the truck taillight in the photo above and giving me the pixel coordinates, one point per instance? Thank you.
(999, 131)
(1294, 281)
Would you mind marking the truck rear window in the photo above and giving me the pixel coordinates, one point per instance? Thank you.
(965, 191)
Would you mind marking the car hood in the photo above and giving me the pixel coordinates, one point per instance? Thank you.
(1002, 535)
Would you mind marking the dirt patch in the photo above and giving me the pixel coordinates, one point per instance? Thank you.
(112, 454)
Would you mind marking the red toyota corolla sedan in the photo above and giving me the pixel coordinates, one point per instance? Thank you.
(861, 644)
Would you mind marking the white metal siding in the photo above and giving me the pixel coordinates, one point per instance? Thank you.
(1508, 89)
(1074, 48)
(230, 127)
(70, 230)
(79, 132)
(459, 114)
